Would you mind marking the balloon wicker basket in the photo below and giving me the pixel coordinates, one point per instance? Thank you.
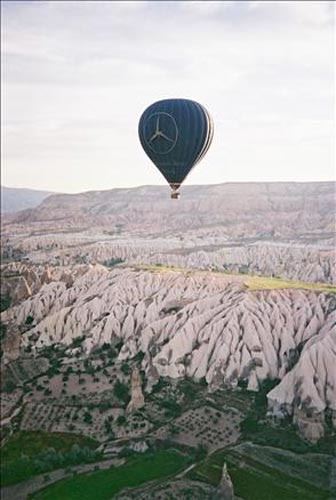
(175, 195)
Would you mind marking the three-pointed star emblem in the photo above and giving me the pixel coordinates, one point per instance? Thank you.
(159, 133)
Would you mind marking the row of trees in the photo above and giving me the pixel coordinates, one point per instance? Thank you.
(45, 461)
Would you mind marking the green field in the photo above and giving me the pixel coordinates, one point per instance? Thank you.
(253, 282)
(19, 455)
(31, 443)
(102, 485)
(268, 474)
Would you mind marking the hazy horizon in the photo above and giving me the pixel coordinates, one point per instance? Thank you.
(76, 76)
(164, 185)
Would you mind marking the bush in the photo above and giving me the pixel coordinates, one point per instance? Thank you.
(88, 367)
(201, 452)
(173, 408)
(29, 320)
(77, 342)
(126, 452)
(3, 329)
(114, 261)
(5, 302)
(111, 354)
(87, 418)
(126, 369)
(107, 425)
(249, 425)
(160, 385)
(139, 357)
(120, 390)
(121, 420)
(9, 386)
(188, 389)
(119, 345)
(104, 406)
(173, 429)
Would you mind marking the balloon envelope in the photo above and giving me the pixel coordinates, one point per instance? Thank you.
(175, 134)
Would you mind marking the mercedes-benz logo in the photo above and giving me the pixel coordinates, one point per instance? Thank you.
(161, 132)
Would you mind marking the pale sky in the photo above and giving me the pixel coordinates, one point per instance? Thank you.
(76, 77)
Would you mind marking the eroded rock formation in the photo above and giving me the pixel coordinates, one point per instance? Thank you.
(275, 229)
(137, 398)
(224, 490)
(199, 325)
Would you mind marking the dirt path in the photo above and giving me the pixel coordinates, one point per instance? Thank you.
(7, 420)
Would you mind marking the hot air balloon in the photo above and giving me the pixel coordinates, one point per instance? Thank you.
(175, 134)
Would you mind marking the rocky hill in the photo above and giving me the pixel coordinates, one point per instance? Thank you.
(272, 229)
(303, 211)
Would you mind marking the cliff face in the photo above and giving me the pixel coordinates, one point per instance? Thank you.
(196, 325)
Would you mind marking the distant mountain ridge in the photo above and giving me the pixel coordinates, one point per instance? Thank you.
(254, 210)
(15, 199)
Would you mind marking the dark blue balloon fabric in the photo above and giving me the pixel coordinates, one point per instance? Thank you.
(175, 134)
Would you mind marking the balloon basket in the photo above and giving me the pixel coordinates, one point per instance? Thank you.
(175, 195)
